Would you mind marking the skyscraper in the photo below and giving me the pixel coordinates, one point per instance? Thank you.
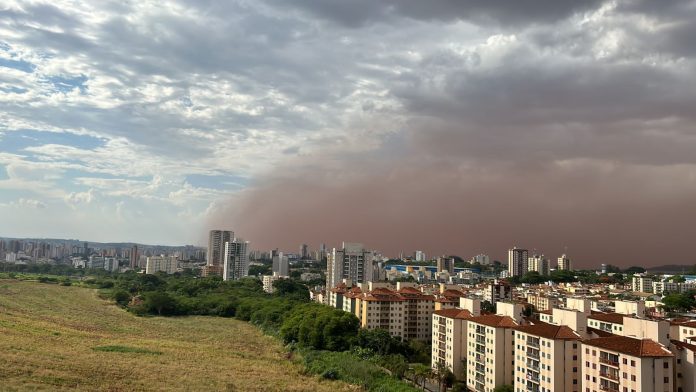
(280, 265)
(538, 263)
(304, 251)
(351, 262)
(216, 246)
(235, 264)
(445, 263)
(564, 263)
(134, 257)
(517, 261)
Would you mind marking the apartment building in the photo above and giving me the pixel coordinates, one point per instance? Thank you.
(642, 283)
(449, 339)
(542, 301)
(630, 308)
(607, 322)
(546, 358)
(405, 312)
(685, 366)
(490, 352)
(497, 291)
(167, 264)
(684, 331)
(622, 363)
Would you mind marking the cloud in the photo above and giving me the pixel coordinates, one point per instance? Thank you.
(458, 126)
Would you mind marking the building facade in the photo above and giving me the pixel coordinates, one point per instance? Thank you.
(517, 261)
(350, 262)
(236, 263)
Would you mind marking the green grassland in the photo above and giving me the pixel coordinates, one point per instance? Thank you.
(55, 337)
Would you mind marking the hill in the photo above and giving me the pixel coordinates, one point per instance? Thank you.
(57, 337)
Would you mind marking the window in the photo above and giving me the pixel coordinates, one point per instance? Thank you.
(666, 365)
(633, 363)
(633, 377)
(666, 380)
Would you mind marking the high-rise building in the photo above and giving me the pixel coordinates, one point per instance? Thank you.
(216, 246)
(564, 263)
(350, 262)
(134, 257)
(280, 265)
(481, 259)
(420, 255)
(235, 265)
(304, 251)
(445, 263)
(517, 261)
(538, 263)
(168, 264)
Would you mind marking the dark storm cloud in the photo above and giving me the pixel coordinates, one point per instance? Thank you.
(358, 13)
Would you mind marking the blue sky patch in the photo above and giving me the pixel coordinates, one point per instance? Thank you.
(66, 84)
(17, 141)
(222, 181)
(17, 64)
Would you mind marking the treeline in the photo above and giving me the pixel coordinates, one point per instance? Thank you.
(321, 333)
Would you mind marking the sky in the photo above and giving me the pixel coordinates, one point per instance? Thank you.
(453, 127)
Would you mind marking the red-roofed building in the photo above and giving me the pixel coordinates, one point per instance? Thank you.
(449, 339)
(490, 352)
(622, 363)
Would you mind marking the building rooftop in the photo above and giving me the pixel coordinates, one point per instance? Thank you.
(454, 313)
(614, 318)
(549, 331)
(494, 320)
(630, 346)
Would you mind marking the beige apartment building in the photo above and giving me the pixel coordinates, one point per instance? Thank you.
(405, 312)
(607, 322)
(622, 363)
(449, 339)
(542, 301)
(546, 358)
(490, 352)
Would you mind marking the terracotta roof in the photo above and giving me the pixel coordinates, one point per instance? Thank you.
(454, 313)
(549, 331)
(411, 290)
(599, 332)
(615, 318)
(688, 324)
(684, 346)
(494, 320)
(631, 346)
(452, 293)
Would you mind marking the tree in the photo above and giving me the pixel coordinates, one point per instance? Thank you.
(679, 302)
(488, 307)
(161, 302)
(421, 373)
(633, 270)
(563, 276)
(504, 388)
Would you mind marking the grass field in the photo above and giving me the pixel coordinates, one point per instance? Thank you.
(56, 337)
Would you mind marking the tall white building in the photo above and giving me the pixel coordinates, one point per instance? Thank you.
(481, 259)
(351, 262)
(564, 263)
(236, 264)
(538, 263)
(280, 265)
(420, 255)
(168, 264)
(517, 261)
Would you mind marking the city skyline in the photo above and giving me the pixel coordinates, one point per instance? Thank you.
(458, 127)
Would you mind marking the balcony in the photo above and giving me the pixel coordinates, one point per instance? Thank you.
(533, 343)
(533, 365)
(480, 359)
(532, 388)
(442, 329)
(479, 387)
(480, 340)
(609, 361)
(480, 349)
(480, 378)
(533, 354)
(609, 375)
(609, 388)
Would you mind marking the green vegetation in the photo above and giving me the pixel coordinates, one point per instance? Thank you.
(313, 330)
(126, 349)
(64, 337)
(679, 302)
